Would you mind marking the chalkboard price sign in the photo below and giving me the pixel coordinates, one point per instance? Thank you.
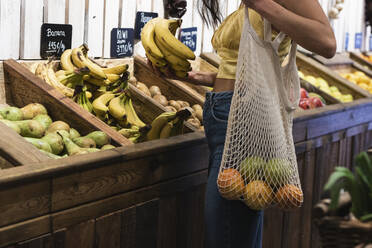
(122, 42)
(141, 19)
(55, 39)
(188, 37)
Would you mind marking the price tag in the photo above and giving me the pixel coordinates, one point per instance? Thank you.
(358, 40)
(55, 39)
(346, 41)
(141, 19)
(189, 36)
(122, 42)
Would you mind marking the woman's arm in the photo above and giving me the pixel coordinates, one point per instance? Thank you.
(304, 21)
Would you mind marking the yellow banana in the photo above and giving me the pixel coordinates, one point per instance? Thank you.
(171, 57)
(57, 84)
(156, 62)
(181, 74)
(97, 82)
(128, 132)
(100, 104)
(166, 130)
(147, 39)
(118, 69)
(116, 108)
(158, 123)
(112, 77)
(66, 62)
(132, 116)
(170, 41)
(40, 70)
(80, 60)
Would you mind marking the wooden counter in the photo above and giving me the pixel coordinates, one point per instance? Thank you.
(152, 194)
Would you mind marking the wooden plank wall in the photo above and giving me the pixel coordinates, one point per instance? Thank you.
(92, 20)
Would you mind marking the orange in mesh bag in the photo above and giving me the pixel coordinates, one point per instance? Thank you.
(259, 163)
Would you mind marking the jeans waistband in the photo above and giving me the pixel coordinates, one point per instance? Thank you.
(215, 96)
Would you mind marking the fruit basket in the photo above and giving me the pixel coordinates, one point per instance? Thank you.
(172, 94)
(362, 59)
(327, 80)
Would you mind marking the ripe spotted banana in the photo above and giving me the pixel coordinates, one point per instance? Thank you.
(112, 77)
(174, 60)
(118, 69)
(147, 39)
(116, 107)
(100, 104)
(155, 61)
(170, 41)
(132, 116)
(66, 62)
(158, 123)
(80, 60)
(53, 80)
(166, 130)
(97, 82)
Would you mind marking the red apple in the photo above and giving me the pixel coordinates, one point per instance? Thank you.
(316, 102)
(304, 103)
(303, 93)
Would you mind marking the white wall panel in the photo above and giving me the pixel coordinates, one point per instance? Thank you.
(95, 27)
(128, 13)
(76, 13)
(10, 15)
(111, 21)
(144, 5)
(158, 7)
(54, 11)
(31, 20)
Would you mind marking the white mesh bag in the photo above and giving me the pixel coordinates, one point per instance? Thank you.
(259, 163)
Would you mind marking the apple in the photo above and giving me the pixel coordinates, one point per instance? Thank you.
(304, 103)
(303, 93)
(315, 102)
(278, 172)
(251, 168)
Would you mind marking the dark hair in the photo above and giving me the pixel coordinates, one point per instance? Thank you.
(210, 12)
(368, 12)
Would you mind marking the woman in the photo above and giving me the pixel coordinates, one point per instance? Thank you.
(231, 223)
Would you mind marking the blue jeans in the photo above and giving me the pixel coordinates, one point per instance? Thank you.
(229, 224)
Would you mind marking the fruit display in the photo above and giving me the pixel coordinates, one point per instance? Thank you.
(163, 49)
(366, 57)
(310, 100)
(260, 184)
(323, 85)
(54, 138)
(359, 78)
(196, 118)
(103, 91)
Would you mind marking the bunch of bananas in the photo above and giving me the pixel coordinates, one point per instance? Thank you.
(168, 124)
(117, 110)
(163, 48)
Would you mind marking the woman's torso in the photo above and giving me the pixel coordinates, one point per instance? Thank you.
(226, 40)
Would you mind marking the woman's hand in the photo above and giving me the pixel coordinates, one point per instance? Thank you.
(193, 77)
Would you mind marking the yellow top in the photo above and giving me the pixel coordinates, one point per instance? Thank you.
(226, 40)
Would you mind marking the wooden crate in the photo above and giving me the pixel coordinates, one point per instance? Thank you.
(22, 87)
(170, 88)
(311, 67)
(130, 195)
(361, 61)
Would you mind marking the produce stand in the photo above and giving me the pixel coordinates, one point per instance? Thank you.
(324, 138)
(144, 194)
(357, 58)
(153, 192)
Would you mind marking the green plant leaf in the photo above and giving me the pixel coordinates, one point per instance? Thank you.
(339, 173)
(366, 217)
